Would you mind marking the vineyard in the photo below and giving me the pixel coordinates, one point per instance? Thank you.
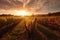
(30, 28)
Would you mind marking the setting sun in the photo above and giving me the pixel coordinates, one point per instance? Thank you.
(22, 13)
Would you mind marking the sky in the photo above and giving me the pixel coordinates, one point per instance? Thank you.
(39, 6)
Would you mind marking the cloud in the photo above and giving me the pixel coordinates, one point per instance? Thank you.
(44, 5)
(9, 4)
(36, 5)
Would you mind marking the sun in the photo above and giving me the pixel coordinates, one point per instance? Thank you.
(22, 13)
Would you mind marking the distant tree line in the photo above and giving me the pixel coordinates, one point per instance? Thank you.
(6, 15)
(49, 14)
(54, 14)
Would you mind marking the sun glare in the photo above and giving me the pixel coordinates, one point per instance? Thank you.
(22, 13)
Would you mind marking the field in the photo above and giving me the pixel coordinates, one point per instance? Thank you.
(30, 28)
